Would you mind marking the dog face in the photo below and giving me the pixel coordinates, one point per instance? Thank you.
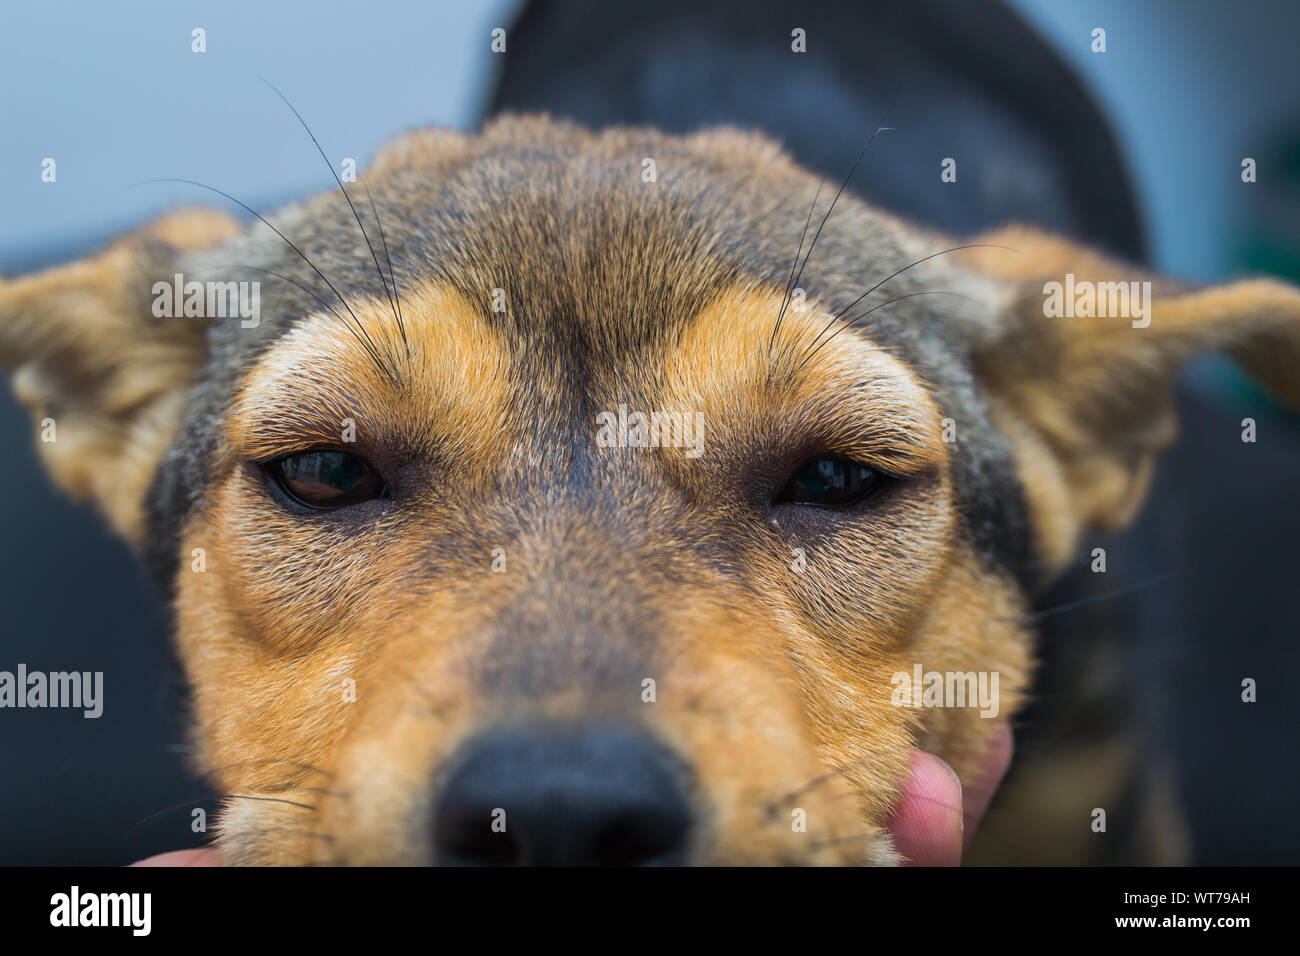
(584, 497)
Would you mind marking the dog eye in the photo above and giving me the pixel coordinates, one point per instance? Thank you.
(327, 479)
(831, 482)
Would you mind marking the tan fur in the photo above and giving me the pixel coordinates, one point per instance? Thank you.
(774, 683)
(1088, 402)
(763, 697)
(84, 353)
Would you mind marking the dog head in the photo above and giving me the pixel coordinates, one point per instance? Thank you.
(593, 497)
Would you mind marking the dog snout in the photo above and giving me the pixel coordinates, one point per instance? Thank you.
(551, 796)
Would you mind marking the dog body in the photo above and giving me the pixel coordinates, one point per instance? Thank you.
(619, 651)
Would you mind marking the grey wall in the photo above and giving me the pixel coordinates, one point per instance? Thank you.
(114, 94)
(1192, 86)
(116, 97)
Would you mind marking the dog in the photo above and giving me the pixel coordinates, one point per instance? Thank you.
(453, 584)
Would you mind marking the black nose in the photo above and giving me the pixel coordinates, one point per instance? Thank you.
(562, 797)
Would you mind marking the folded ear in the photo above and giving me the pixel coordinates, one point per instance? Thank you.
(103, 377)
(1081, 364)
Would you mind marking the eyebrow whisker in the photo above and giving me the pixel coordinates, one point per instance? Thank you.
(397, 295)
(359, 331)
(343, 189)
(830, 209)
(933, 255)
(249, 796)
(789, 283)
(808, 356)
(292, 281)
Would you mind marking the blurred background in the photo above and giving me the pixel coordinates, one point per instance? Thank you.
(1137, 149)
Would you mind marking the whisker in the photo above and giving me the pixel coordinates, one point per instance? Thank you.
(342, 189)
(912, 265)
(397, 295)
(789, 282)
(808, 356)
(368, 344)
(831, 208)
(775, 806)
(1095, 598)
(292, 803)
(175, 806)
(292, 281)
(831, 774)
(257, 760)
(851, 321)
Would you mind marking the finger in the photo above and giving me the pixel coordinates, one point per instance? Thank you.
(927, 824)
(202, 857)
(993, 767)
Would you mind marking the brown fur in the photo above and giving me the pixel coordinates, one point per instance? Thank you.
(761, 703)
(76, 341)
(773, 684)
(1088, 402)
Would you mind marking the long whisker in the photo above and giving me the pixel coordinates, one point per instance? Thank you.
(397, 295)
(831, 208)
(911, 265)
(858, 318)
(943, 252)
(342, 189)
(292, 281)
(189, 803)
(292, 803)
(794, 263)
(259, 760)
(835, 200)
(368, 343)
(1095, 598)
(840, 314)
(175, 806)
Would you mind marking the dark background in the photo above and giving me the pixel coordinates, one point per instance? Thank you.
(1138, 153)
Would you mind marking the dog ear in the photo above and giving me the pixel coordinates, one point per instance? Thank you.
(103, 378)
(1085, 394)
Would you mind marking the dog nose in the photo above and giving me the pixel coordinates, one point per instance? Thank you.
(562, 797)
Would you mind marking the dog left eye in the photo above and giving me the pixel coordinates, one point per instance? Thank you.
(327, 479)
(831, 482)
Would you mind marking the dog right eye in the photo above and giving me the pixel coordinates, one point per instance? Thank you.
(832, 482)
(327, 479)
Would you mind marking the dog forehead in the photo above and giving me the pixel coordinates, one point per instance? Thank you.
(583, 249)
(587, 256)
(615, 234)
